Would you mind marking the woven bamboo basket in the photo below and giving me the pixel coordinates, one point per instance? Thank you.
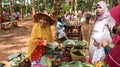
(77, 57)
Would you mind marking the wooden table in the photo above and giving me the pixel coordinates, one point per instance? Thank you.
(70, 33)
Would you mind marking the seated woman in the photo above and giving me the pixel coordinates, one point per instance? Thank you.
(60, 29)
(40, 36)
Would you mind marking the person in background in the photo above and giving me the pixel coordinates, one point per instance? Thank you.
(60, 28)
(113, 57)
(41, 35)
(86, 28)
(87, 17)
(103, 24)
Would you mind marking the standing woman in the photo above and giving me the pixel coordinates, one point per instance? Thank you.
(103, 24)
(113, 57)
(41, 34)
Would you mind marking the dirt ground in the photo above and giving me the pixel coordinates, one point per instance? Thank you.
(15, 39)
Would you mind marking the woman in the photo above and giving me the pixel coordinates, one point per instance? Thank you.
(113, 58)
(60, 31)
(103, 24)
(40, 36)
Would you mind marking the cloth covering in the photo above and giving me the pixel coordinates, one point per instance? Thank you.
(113, 58)
(115, 13)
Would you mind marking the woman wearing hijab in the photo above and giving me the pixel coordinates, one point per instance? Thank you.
(113, 57)
(103, 24)
(41, 34)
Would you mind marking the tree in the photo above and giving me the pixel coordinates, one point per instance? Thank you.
(0, 9)
(22, 9)
(33, 6)
(44, 7)
(71, 5)
(67, 2)
(76, 7)
(11, 9)
(55, 13)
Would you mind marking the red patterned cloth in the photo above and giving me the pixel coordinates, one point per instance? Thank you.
(38, 52)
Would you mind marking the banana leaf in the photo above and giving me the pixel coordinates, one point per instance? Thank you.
(15, 58)
(45, 61)
(69, 41)
(72, 64)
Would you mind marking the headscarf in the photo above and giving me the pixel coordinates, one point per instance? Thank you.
(38, 33)
(105, 14)
(115, 13)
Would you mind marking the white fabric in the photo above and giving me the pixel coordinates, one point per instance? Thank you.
(98, 54)
(99, 51)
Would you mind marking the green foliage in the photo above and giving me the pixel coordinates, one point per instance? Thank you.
(81, 5)
(17, 7)
(62, 9)
(65, 7)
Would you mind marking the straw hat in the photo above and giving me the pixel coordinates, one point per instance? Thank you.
(39, 16)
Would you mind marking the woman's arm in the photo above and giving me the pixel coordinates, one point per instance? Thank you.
(107, 49)
(105, 44)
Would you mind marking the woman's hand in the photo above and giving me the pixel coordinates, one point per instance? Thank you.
(105, 43)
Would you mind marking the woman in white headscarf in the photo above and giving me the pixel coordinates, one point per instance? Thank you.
(103, 24)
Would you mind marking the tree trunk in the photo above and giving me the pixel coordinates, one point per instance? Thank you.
(22, 8)
(67, 2)
(71, 6)
(44, 7)
(0, 11)
(11, 9)
(55, 12)
(76, 7)
(90, 5)
(33, 7)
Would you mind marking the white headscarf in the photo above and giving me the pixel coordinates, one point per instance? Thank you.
(105, 13)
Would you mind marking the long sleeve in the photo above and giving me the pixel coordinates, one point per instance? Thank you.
(107, 49)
